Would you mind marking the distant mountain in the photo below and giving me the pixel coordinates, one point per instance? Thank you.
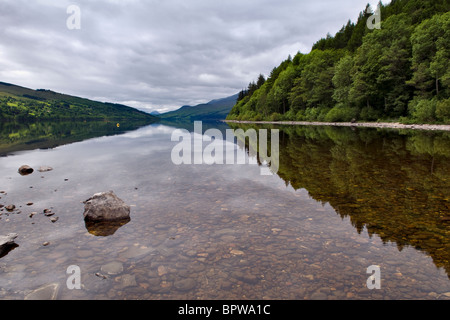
(23, 104)
(214, 110)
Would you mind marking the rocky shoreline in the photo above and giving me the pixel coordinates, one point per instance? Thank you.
(386, 125)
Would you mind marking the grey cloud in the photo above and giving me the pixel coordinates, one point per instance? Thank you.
(158, 54)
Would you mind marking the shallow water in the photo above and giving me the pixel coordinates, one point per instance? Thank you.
(342, 201)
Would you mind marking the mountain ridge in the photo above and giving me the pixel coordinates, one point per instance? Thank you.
(18, 103)
(214, 110)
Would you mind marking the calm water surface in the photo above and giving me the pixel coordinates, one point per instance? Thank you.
(342, 200)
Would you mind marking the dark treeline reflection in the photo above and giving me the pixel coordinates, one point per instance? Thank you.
(16, 136)
(394, 184)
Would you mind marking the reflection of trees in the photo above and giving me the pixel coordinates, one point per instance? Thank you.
(396, 185)
(27, 136)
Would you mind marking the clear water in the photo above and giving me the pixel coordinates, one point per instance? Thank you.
(342, 201)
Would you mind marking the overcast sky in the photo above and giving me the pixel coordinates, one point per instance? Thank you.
(159, 54)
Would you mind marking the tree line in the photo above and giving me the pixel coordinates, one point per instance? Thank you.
(399, 72)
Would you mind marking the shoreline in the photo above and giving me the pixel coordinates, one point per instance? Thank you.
(381, 125)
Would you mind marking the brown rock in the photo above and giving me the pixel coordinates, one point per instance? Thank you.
(25, 170)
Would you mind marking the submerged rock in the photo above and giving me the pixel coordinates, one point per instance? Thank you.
(48, 212)
(25, 170)
(45, 169)
(46, 292)
(10, 207)
(128, 280)
(185, 284)
(106, 206)
(112, 268)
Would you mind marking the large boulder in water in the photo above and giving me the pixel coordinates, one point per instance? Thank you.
(105, 206)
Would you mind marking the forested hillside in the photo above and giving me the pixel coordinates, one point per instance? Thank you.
(19, 104)
(398, 72)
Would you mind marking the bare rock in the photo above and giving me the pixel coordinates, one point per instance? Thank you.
(7, 243)
(7, 240)
(106, 206)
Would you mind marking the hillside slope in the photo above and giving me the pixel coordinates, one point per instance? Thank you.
(400, 72)
(214, 110)
(23, 104)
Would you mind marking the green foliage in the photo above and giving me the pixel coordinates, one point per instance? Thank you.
(423, 110)
(341, 113)
(314, 86)
(22, 104)
(276, 117)
(342, 79)
(430, 57)
(369, 114)
(401, 71)
(443, 111)
(382, 68)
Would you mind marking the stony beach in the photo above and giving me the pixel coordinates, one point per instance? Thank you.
(380, 125)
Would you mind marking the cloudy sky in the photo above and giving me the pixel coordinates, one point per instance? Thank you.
(159, 54)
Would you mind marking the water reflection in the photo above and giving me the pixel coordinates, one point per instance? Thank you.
(225, 231)
(45, 135)
(396, 186)
(105, 228)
